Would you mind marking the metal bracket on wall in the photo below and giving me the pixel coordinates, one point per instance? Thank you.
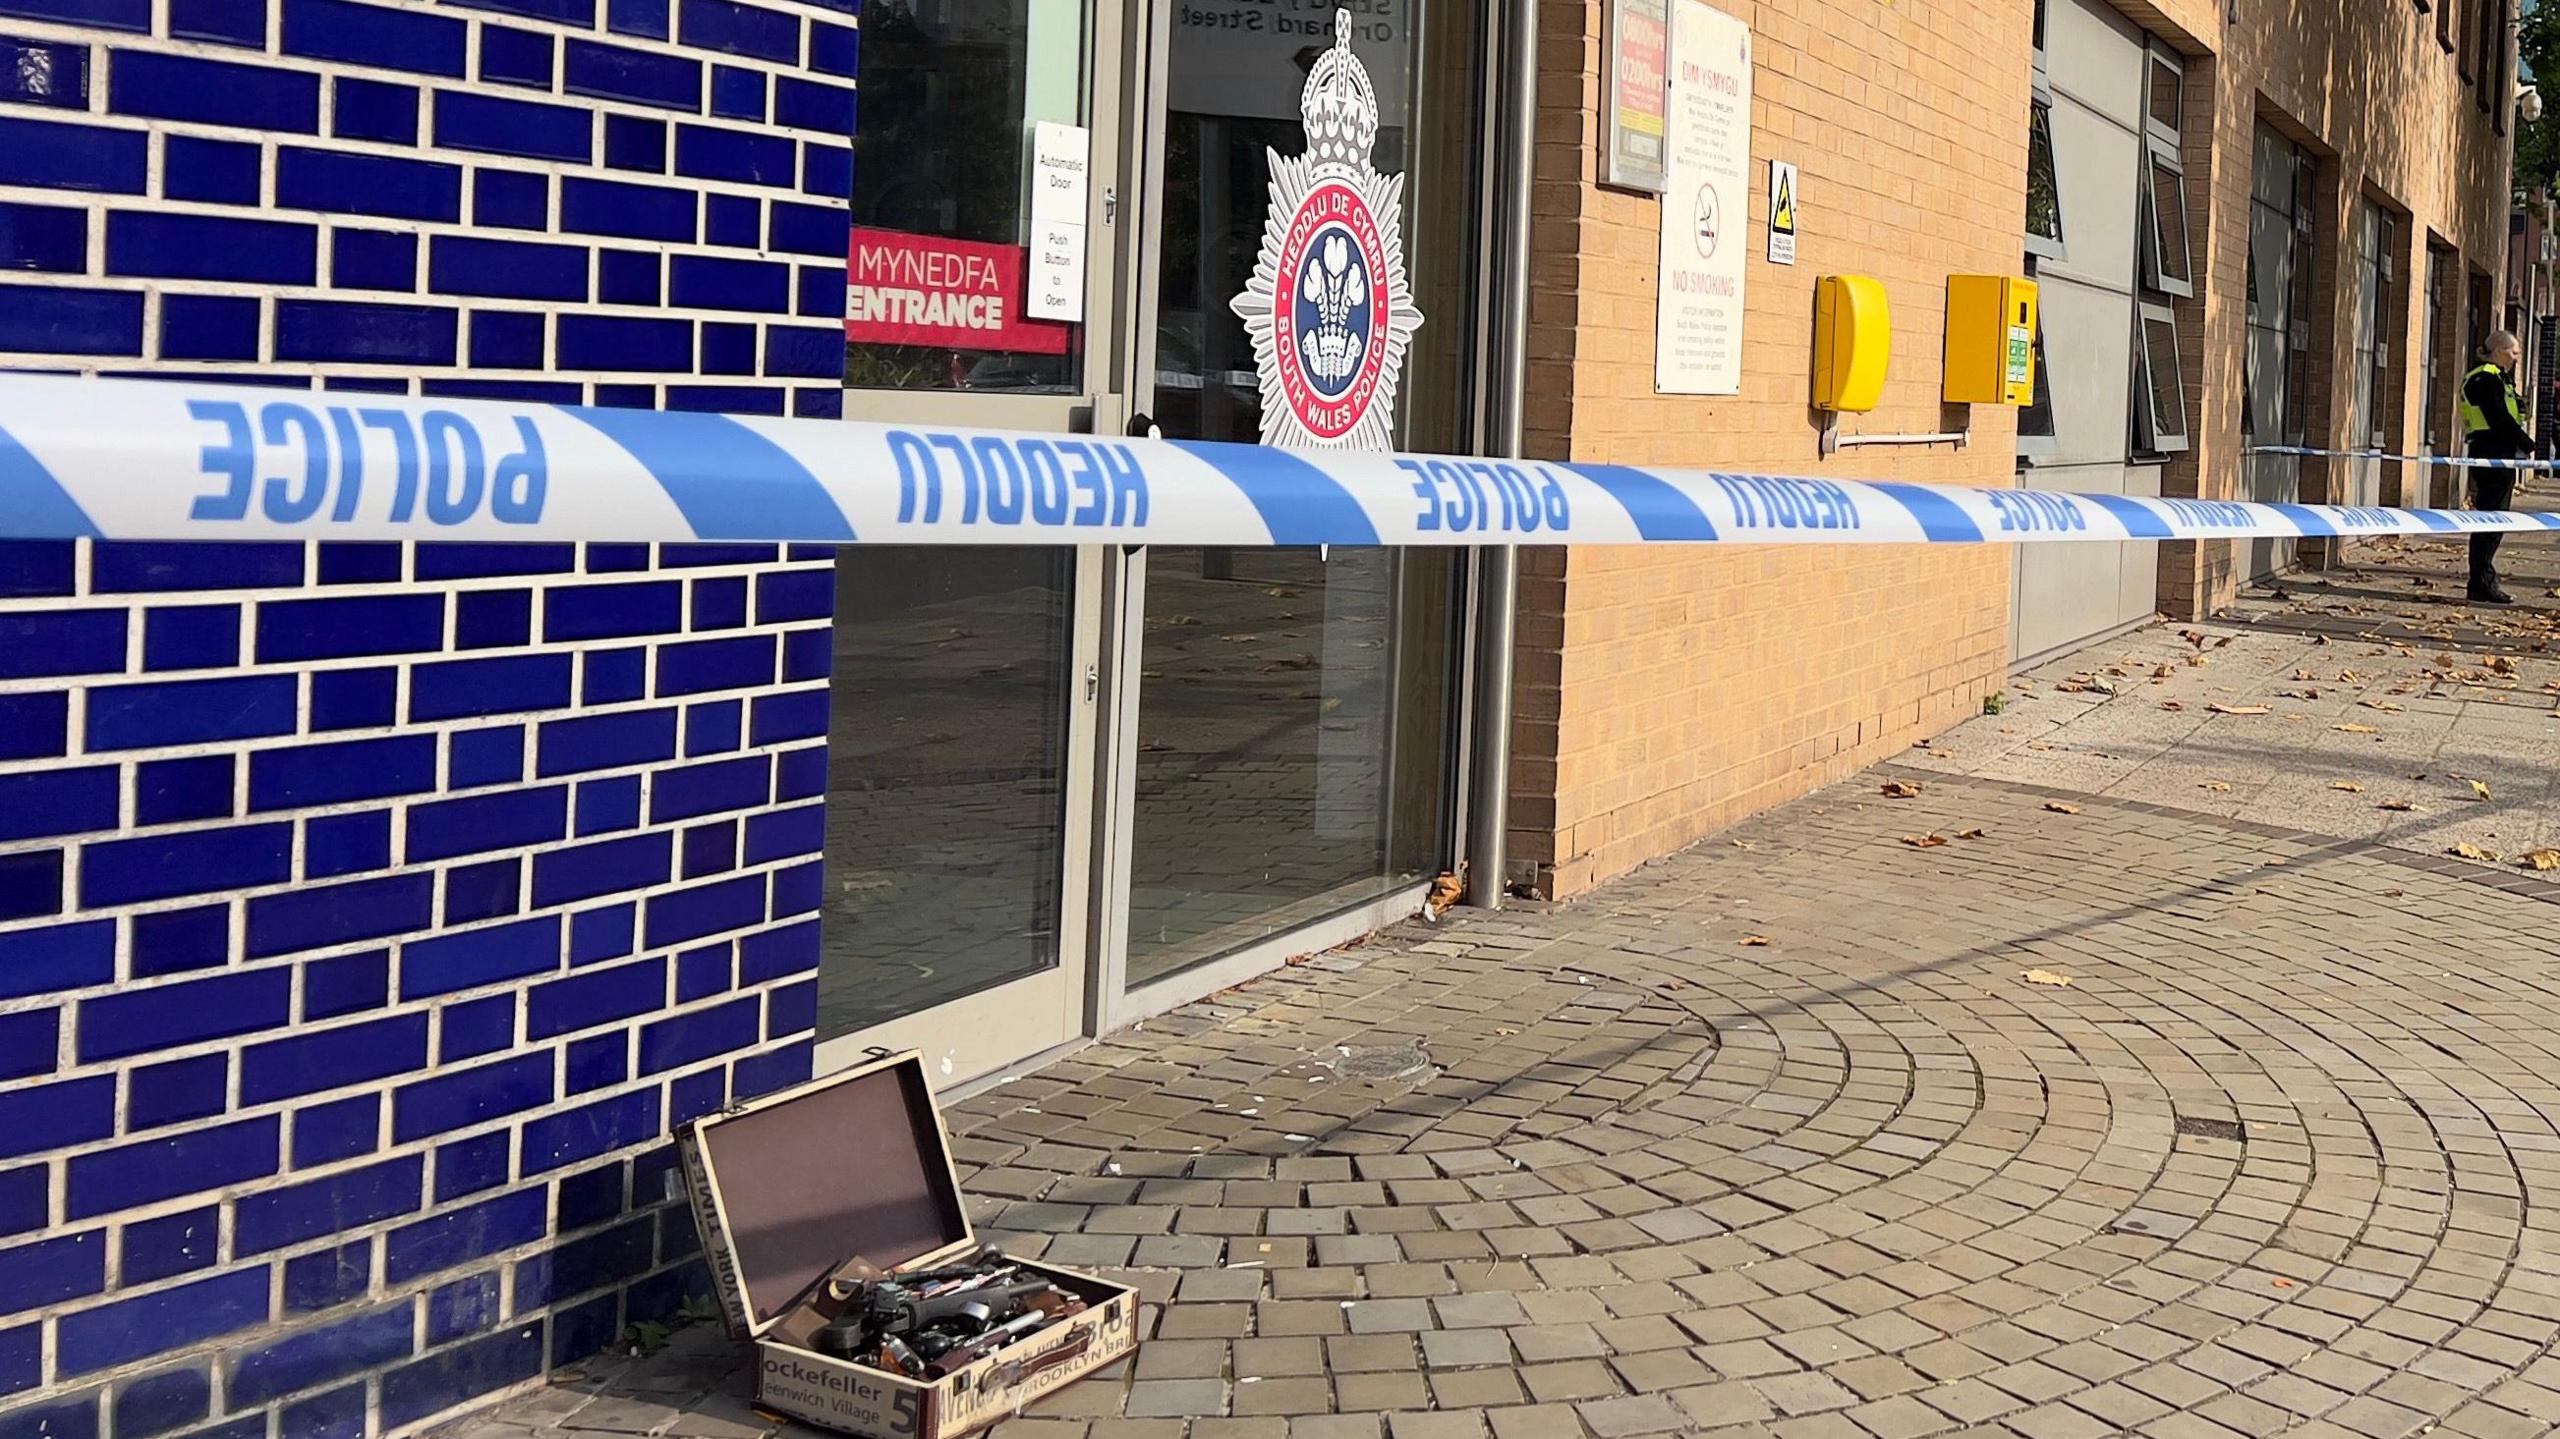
(1833, 441)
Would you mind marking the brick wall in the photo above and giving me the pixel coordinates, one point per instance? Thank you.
(1668, 692)
(2384, 108)
(369, 913)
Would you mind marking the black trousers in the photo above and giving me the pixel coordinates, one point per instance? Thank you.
(2490, 490)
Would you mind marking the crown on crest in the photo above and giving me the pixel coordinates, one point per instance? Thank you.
(1338, 105)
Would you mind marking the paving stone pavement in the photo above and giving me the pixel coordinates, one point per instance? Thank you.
(1775, 1138)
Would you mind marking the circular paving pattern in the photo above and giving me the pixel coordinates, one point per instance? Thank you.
(1776, 1137)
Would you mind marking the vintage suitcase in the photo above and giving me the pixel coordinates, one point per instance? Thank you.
(856, 1165)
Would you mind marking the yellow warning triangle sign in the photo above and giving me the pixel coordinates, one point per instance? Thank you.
(1782, 210)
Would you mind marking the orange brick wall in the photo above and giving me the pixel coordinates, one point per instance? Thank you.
(2370, 92)
(1664, 693)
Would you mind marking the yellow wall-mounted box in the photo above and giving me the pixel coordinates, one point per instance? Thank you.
(1991, 334)
(1852, 342)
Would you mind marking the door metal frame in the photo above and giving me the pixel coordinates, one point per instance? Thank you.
(979, 1034)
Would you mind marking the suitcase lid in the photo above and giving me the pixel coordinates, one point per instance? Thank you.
(792, 1185)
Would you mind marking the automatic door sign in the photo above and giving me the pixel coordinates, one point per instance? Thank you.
(1328, 308)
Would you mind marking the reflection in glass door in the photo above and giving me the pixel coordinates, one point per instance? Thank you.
(945, 777)
(1292, 742)
(958, 804)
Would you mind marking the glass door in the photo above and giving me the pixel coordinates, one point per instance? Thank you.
(982, 283)
(1285, 730)
(982, 290)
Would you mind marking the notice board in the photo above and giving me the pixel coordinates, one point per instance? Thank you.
(1706, 209)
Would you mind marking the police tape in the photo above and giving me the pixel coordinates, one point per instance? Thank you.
(2450, 462)
(144, 460)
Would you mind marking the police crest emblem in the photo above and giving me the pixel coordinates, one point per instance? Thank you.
(1328, 308)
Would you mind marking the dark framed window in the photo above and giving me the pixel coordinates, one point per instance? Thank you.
(2159, 383)
(2168, 263)
(2439, 344)
(2044, 185)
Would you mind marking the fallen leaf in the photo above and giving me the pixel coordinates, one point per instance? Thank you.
(2304, 675)
(2350, 786)
(2162, 672)
(2470, 851)
(2218, 786)
(2542, 859)
(2502, 664)
(1969, 834)
(1500, 1029)
(2386, 706)
(2298, 694)
(1755, 941)
(2226, 639)
(2353, 728)
(2349, 677)
(2196, 661)
(1924, 841)
(2193, 637)
(2175, 705)
(2223, 709)
(2046, 976)
(2480, 788)
(2287, 1283)
(2058, 807)
(1446, 890)
(2401, 805)
(1901, 789)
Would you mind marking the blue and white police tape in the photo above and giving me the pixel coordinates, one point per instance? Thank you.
(147, 460)
(2450, 462)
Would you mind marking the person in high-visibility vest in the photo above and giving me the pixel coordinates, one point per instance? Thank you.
(2492, 414)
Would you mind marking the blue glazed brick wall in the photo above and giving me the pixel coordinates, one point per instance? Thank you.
(369, 913)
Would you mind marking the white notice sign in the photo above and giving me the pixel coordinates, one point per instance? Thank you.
(1706, 207)
(1059, 156)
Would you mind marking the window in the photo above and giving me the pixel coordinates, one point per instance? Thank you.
(2439, 341)
(2378, 305)
(2044, 183)
(2159, 386)
(2276, 389)
(2167, 259)
(2466, 59)
(2497, 91)
(2044, 190)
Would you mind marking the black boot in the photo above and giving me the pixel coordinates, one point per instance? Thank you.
(2485, 591)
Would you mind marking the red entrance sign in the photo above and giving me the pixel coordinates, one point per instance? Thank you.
(906, 289)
